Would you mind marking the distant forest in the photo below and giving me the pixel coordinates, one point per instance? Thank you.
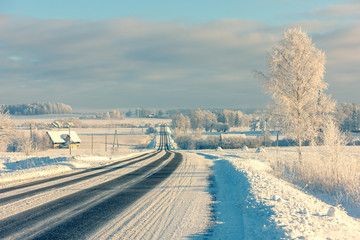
(37, 108)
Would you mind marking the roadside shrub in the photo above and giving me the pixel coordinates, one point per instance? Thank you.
(239, 142)
(221, 127)
(20, 143)
(327, 168)
(185, 142)
(212, 142)
(266, 139)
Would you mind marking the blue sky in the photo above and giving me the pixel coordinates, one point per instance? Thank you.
(270, 11)
(154, 54)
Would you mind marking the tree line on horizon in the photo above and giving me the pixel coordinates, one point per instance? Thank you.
(37, 108)
(219, 121)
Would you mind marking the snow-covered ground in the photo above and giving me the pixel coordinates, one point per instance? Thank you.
(251, 203)
(214, 194)
(19, 167)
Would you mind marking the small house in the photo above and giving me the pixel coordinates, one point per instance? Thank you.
(62, 139)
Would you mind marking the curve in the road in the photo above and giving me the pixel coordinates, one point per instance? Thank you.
(79, 200)
(23, 195)
(85, 223)
(34, 183)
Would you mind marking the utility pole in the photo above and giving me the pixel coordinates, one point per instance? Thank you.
(117, 141)
(92, 143)
(69, 140)
(105, 142)
(114, 138)
(220, 141)
(31, 138)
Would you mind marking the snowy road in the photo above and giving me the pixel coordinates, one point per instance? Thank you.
(145, 197)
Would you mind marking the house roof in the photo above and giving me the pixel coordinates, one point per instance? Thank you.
(59, 136)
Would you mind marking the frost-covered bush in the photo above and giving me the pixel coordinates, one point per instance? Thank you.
(221, 127)
(328, 168)
(27, 144)
(20, 143)
(212, 142)
(239, 142)
(266, 139)
(185, 142)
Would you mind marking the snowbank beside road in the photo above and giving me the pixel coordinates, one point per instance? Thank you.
(23, 168)
(252, 203)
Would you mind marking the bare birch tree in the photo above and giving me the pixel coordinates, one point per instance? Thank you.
(295, 82)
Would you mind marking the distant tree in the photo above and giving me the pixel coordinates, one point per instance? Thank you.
(295, 82)
(37, 108)
(179, 121)
(197, 119)
(140, 112)
(254, 124)
(128, 113)
(107, 115)
(229, 117)
(348, 117)
(209, 120)
(187, 123)
(160, 113)
(150, 130)
(221, 117)
(238, 119)
(221, 127)
(115, 114)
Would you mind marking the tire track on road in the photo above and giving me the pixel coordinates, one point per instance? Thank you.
(25, 185)
(85, 223)
(23, 195)
(29, 218)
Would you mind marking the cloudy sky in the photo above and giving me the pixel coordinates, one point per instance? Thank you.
(159, 54)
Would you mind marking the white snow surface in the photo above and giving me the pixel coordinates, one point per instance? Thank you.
(14, 168)
(240, 200)
(251, 203)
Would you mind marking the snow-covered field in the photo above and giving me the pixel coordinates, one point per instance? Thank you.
(252, 203)
(223, 194)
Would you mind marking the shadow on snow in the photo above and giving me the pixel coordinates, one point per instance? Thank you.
(235, 213)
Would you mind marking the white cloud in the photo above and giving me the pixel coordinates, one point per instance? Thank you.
(341, 10)
(129, 62)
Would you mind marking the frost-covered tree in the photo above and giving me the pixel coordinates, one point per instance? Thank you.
(6, 125)
(254, 124)
(197, 119)
(295, 82)
(181, 122)
(187, 123)
(348, 117)
(221, 127)
(178, 121)
(238, 119)
(37, 108)
(115, 114)
(210, 119)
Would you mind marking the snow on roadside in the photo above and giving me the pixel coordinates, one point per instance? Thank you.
(23, 168)
(252, 203)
